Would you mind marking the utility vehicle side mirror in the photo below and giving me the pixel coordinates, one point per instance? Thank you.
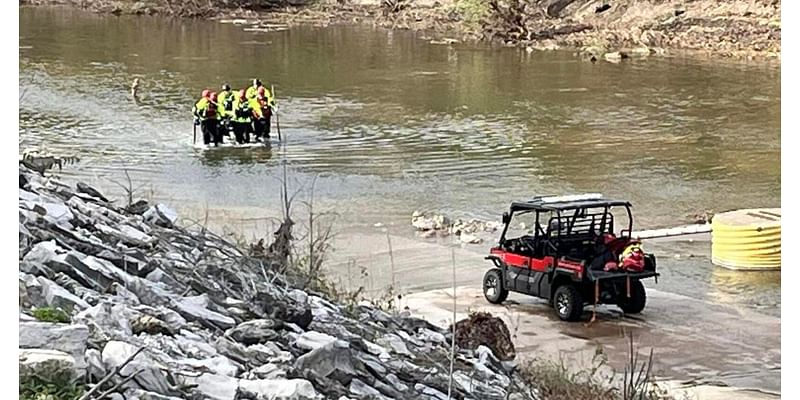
(506, 218)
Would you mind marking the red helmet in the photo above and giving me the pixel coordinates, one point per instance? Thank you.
(261, 90)
(242, 94)
(213, 96)
(206, 93)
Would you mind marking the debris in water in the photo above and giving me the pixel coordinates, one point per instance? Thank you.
(483, 329)
(135, 87)
(704, 217)
(440, 225)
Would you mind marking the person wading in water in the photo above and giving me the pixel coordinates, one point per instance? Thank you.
(241, 119)
(205, 113)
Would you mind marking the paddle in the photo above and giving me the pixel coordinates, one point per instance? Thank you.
(277, 116)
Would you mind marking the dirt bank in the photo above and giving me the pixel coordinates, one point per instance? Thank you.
(606, 29)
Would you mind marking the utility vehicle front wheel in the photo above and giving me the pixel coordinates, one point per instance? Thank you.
(493, 288)
(635, 303)
(568, 303)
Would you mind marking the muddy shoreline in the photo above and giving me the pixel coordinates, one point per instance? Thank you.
(694, 357)
(713, 29)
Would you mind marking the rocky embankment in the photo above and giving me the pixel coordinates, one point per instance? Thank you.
(154, 310)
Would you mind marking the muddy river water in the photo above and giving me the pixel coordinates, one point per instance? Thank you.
(385, 123)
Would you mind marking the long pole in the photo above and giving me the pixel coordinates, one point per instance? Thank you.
(194, 133)
(277, 115)
(453, 340)
(391, 261)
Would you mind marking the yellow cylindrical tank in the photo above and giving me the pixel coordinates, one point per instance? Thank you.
(747, 239)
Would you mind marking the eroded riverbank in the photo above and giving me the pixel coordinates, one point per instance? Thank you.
(739, 29)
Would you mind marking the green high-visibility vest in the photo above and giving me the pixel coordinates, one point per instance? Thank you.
(251, 92)
(241, 111)
(200, 108)
(256, 107)
(225, 101)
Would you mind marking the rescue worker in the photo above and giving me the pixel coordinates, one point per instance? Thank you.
(215, 129)
(225, 102)
(203, 100)
(258, 117)
(252, 91)
(241, 118)
(265, 103)
(205, 113)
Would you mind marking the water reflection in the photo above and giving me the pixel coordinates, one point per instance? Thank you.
(217, 157)
(754, 288)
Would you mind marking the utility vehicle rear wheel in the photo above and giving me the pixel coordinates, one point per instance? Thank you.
(568, 303)
(493, 288)
(635, 303)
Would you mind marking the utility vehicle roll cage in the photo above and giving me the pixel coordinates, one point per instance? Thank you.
(580, 221)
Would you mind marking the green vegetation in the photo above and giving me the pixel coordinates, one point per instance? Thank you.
(49, 388)
(556, 381)
(473, 13)
(50, 314)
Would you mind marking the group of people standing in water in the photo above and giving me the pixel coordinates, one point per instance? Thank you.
(244, 113)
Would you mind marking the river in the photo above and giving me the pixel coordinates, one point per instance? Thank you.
(389, 123)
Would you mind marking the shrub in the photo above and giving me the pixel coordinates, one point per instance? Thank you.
(51, 314)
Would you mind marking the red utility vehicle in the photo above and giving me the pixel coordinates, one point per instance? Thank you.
(571, 256)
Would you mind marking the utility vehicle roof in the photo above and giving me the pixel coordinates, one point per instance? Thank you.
(571, 202)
